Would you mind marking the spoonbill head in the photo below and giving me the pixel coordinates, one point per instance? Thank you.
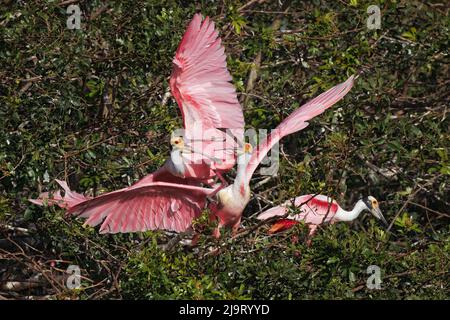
(374, 208)
(177, 142)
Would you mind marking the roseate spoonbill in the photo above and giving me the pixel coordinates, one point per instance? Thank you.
(200, 83)
(233, 199)
(172, 206)
(316, 210)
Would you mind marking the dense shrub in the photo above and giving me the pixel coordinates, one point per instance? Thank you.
(86, 106)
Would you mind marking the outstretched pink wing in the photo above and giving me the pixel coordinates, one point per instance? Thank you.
(298, 121)
(314, 209)
(140, 207)
(200, 81)
(152, 206)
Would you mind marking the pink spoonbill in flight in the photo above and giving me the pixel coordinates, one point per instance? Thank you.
(233, 199)
(200, 84)
(316, 210)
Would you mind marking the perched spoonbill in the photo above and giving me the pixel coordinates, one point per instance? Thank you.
(316, 210)
(172, 206)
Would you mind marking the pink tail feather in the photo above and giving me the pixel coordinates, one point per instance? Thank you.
(69, 200)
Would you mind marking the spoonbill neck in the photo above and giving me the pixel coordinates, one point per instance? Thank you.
(241, 182)
(176, 165)
(344, 215)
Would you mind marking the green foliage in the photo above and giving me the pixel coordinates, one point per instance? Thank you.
(282, 267)
(86, 106)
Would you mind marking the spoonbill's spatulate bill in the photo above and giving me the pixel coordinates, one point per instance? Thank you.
(316, 210)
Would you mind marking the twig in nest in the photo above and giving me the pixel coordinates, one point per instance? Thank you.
(172, 242)
(428, 209)
(263, 182)
(253, 75)
(21, 231)
(165, 97)
(67, 2)
(20, 285)
(248, 4)
(411, 196)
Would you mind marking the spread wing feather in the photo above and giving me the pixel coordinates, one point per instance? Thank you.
(200, 80)
(298, 121)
